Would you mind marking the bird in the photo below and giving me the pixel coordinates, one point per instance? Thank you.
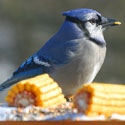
(73, 56)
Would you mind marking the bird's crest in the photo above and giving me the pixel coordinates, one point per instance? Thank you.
(79, 13)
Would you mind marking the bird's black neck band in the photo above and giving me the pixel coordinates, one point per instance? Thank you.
(97, 42)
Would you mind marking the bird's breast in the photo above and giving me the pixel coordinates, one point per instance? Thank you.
(82, 68)
(92, 58)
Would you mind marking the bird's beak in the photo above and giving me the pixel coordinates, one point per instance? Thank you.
(110, 22)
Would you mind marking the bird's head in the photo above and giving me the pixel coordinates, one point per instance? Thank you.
(91, 22)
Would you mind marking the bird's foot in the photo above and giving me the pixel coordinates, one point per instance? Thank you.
(69, 98)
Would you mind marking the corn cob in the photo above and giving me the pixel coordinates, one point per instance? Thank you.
(39, 91)
(98, 98)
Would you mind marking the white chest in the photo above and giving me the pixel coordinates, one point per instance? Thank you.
(96, 69)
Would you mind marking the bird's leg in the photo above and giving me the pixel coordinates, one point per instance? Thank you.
(69, 98)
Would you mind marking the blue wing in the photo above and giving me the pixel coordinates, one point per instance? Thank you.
(33, 66)
(54, 53)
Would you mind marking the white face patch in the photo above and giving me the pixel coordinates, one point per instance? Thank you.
(37, 61)
(95, 32)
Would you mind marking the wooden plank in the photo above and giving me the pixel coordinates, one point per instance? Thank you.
(62, 122)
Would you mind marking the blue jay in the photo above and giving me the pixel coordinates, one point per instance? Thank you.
(73, 56)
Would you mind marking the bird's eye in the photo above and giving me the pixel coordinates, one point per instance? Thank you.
(92, 21)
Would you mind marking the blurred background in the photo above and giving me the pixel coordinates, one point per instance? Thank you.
(25, 25)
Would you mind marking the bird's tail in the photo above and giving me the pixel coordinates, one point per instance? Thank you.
(13, 81)
(8, 83)
(18, 77)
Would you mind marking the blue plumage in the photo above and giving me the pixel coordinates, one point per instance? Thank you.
(35, 62)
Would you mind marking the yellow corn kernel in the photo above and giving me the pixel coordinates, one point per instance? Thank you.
(45, 82)
(49, 94)
(44, 89)
(20, 87)
(102, 87)
(107, 102)
(27, 86)
(48, 87)
(117, 23)
(36, 78)
(11, 94)
(15, 89)
(106, 110)
(53, 101)
(9, 99)
(60, 99)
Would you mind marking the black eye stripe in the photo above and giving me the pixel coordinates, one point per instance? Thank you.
(92, 20)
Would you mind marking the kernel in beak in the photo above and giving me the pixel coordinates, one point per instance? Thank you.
(117, 23)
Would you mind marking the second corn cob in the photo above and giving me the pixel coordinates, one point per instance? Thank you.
(98, 98)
